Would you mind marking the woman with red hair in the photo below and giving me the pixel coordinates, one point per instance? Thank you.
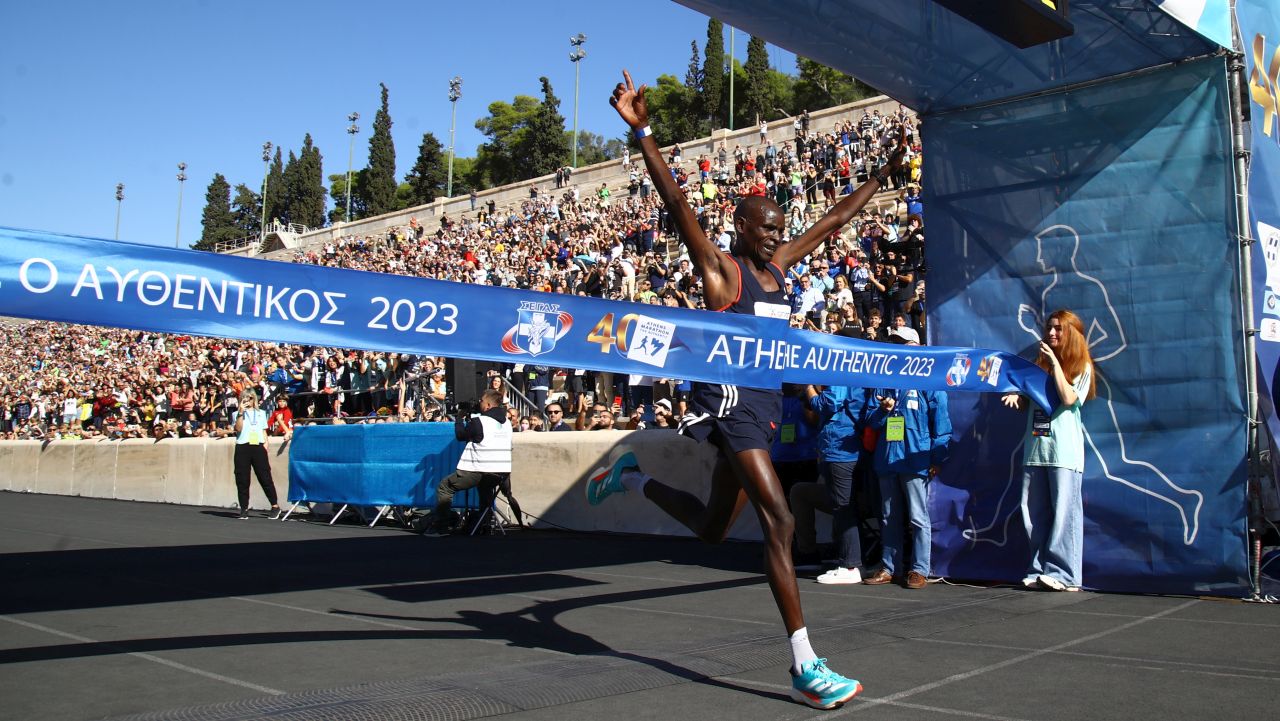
(1053, 458)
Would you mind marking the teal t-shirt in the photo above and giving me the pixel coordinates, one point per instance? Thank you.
(1058, 440)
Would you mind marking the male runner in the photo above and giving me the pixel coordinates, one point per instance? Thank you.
(740, 422)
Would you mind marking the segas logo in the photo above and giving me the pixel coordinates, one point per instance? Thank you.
(958, 373)
(538, 327)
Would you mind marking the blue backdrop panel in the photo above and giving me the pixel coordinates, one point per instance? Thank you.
(1114, 201)
(376, 464)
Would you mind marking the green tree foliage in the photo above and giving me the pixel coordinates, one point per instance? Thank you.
(307, 194)
(713, 74)
(217, 221)
(756, 99)
(545, 147)
(818, 86)
(506, 126)
(672, 111)
(246, 211)
(275, 192)
(379, 188)
(338, 194)
(693, 81)
(466, 177)
(527, 139)
(430, 173)
(292, 179)
(594, 148)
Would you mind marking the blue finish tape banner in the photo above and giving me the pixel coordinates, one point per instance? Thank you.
(101, 282)
(378, 464)
(1114, 201)
(1260, 30)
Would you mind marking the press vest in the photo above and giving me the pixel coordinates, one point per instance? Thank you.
(492, 454)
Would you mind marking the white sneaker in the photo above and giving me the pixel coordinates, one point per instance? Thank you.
(841, 575)
(1030, 582)
(1051, 583)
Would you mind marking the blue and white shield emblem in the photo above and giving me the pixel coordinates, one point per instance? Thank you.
(536, 331)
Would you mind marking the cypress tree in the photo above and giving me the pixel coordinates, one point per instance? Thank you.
(380, 181)
(430, 174)
(246, 211)
(217, 221)
(547, 145)
(307, 205)
(713, 75)
(756, 100)
(292, 190)
(275, 195)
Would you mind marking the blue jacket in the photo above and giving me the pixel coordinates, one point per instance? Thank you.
(927, 433)
(842, 411)
(795, 439)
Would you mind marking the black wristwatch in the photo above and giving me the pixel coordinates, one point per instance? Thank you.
(880, 178)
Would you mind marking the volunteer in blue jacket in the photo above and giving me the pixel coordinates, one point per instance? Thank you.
(841, 411)
(914, 439)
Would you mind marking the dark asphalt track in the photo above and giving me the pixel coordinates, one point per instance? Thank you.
(113, 609)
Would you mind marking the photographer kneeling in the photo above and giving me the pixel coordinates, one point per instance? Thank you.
(485, 462)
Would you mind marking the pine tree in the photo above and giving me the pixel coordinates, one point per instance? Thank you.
(693, 81)
(246, 211)
(306, 206)
(713, 74)
(219, 224)
(380, 181)
(547, 146)
(756, 100)
(292, 183)
(430, 174)
(275, 195)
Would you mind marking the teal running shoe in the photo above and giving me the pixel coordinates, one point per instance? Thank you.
(820, 687)
(604, 482)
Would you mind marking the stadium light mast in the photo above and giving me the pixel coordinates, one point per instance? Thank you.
(352, 130)
(266, 170)
(182, 179)
(119, 202)
(455, 92)
(575, 57)
(731, 36)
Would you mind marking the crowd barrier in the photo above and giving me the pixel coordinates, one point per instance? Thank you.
(549, 471)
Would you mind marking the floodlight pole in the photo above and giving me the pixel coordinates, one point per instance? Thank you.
(119, 202)
(182, 178)
(575, 57)
(455, 92)
(266, 171)
(352, 130)
(731, 36)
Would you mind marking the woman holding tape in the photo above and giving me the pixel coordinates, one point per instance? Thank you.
(1053, 458)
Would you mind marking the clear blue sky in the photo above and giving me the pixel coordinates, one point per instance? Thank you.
(93, 94)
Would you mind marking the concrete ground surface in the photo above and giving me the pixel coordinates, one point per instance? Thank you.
(130, 610)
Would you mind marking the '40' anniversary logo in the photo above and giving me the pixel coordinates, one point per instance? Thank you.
(1264, 86)
(538, 327)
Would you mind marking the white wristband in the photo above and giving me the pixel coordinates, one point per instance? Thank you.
(643, 132)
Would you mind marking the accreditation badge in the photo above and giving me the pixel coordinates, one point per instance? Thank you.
(1041, 424)
(895, 429)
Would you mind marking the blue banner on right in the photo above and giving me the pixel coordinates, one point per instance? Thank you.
(1259, 22)
(1114, 201)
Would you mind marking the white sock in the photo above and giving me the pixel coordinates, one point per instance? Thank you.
(801, 651)
(634, 481)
